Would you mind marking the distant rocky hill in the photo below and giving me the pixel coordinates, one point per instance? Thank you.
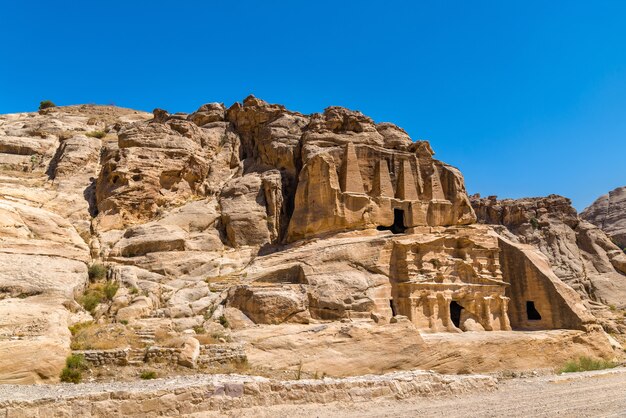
(580, 254)
(320, 244)
(608, 213)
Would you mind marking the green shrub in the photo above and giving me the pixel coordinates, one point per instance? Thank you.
(199, 329)
(96, 134)
(585, 364)
(224, 321)
(45, 104)
(134, 291)
(110, 289)
(97, 272)
(74, 366)
(91, 299)
(76, 328)
(534, 222)
(71, 375)
(148, 375)
(124, 322)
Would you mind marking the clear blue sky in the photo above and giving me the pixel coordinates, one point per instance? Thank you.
(527, 98)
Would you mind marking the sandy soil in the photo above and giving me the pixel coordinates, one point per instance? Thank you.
(588, 394)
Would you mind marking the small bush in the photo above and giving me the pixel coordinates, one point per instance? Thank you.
(74, 366)
(584, 364)
(224, 321)
(148, 375)
(534, 222)
(199, 329)
(76, 328)
(97, 272)
(91, 299)
(71, 375)
(110, 289)
(124, 322)
(46, 104)
(134, 291)
(96, 134)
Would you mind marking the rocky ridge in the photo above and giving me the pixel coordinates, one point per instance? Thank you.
(580, 253)
(238, 222)
(608, 213)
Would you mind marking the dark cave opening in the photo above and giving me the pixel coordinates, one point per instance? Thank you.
(398, 226)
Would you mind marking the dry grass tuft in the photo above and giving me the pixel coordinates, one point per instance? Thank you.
(91, 336)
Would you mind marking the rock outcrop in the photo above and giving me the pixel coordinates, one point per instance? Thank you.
(579, 253)
(234, 222)
(608, 213)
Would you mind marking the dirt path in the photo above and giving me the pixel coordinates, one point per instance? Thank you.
(589, 394)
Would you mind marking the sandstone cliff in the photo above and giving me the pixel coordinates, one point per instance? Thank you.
(252, 220)
(608, 213)
(580, 254)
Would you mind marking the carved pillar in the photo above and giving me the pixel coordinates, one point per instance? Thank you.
(487, 318)
(504, 308)
(351, 180)
(382, 181)
(406, 189)
(438, 193)
(445, 315)
(433, 311)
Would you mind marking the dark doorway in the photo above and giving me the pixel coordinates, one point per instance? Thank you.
(455, 313)
(398, 223)
(531, 312)
(393, 307)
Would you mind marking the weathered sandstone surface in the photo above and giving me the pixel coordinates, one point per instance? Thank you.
(608, 213)
(327, 241)
(580, 254)
(211, 395)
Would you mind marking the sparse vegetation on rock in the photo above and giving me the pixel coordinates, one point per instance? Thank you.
(97, 271)
(74, 367)
(584, 363)
(96, 134)
(46, 104)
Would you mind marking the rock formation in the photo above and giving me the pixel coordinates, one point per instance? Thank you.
(229, 221)
(608, 213)
(580, 254)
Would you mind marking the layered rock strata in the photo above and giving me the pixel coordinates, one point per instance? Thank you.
(608, 213)
(227, 219)
(579, 253)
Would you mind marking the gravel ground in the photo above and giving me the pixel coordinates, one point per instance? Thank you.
(588, 394)
(600, 393)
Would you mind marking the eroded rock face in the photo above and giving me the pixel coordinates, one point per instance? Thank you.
(608, 213)
(257, 216)
(579, 253)
(358, 175)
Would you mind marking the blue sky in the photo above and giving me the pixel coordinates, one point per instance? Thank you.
(527, 98)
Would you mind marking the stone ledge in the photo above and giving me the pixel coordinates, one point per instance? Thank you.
(200, 393)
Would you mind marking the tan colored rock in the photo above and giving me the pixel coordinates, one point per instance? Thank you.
(189, 353)
(236, 319)
(162, 162)
(271, 220)
(580, 254)
(34, 339)
(608, 213)
(334, 349)
(271, 305)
